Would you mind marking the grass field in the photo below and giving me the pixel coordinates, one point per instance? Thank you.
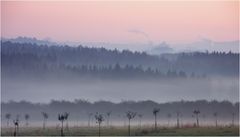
(123, 131)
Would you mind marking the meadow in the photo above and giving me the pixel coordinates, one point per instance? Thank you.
(123, 131)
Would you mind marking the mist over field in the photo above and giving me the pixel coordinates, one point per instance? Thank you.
(44, 90)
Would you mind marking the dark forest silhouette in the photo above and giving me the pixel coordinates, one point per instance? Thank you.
(31, 59)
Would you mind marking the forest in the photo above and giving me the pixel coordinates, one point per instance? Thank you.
(30, 59)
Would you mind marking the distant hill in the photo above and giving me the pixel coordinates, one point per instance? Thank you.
(160, 49)
(29, 40)
(204, 45)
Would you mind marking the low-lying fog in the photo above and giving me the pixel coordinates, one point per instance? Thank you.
(36, 90)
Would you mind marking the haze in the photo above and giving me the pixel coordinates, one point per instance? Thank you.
(116, 91)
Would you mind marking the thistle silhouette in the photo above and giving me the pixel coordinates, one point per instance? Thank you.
(178, 115)
(108, 117)
(16, 125)
(196, 113)
(66, 118)
(27, 116)
(62, 117)
(155, 112)
(45, 117)
(215, 114)
(130, 115)
(99, 119)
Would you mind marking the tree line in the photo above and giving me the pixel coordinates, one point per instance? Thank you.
(143, 107)
(197, 111)
(31, 58)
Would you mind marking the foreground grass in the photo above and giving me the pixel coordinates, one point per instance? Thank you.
(122, 131)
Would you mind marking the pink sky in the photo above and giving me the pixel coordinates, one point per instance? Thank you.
(184, 21)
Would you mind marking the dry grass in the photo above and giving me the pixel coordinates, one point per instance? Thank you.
(122, 131)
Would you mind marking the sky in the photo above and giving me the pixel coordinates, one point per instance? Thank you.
(122, 22)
